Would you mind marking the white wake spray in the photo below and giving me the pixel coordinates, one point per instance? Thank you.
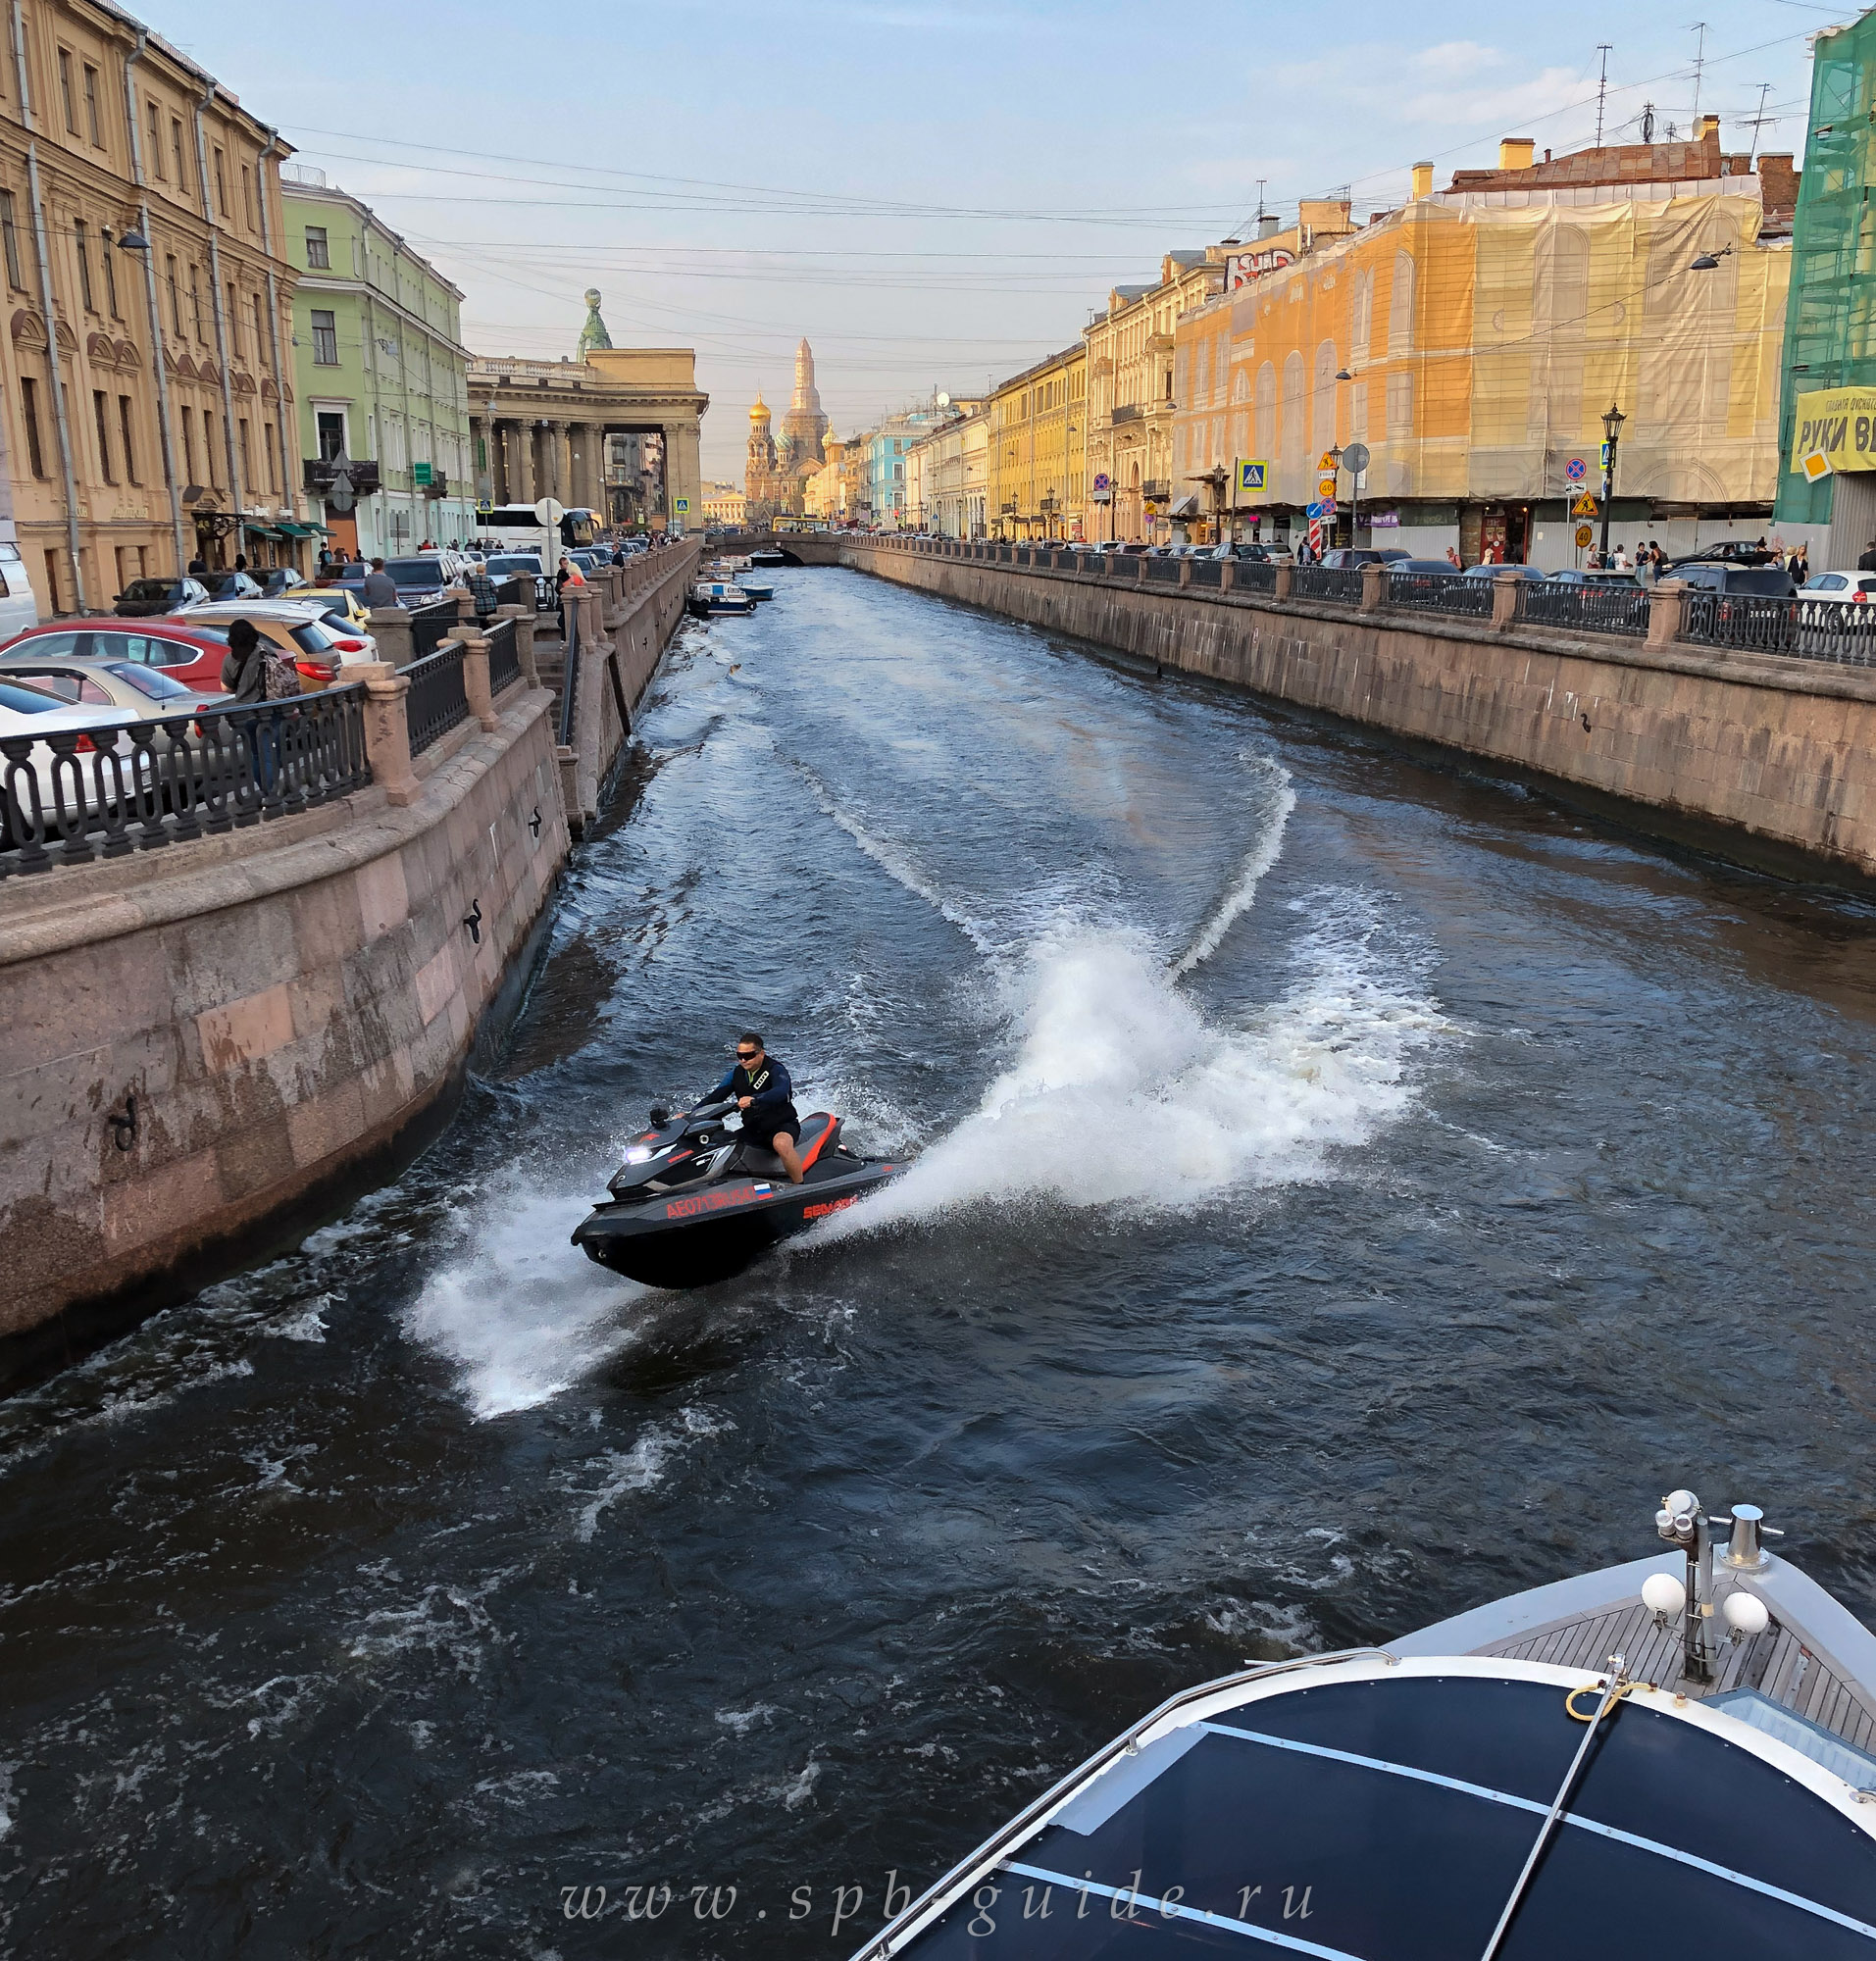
(1251, 874)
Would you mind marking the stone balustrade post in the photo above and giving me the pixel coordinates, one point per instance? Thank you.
(390, 629)
(465, 602)
(1667, 611)
(1185, 573)
(1505, 599)
(1286, 580)
(1228, 574)
(476, 689)
(523, 619)
(1374, 587)
(387, 729)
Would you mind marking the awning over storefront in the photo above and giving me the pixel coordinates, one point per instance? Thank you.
(256, 529)
(287, 531)
(1184, 507)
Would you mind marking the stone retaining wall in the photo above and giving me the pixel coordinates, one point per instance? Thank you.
(1770, 760)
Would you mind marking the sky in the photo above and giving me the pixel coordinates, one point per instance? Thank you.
(936, 192)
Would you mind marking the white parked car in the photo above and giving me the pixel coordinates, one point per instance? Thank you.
(32, 710)
(322, 645)
(1842, 587)
(18, 605)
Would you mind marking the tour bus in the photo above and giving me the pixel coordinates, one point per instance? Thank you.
(520, 529)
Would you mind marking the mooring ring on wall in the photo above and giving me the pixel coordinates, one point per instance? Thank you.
(473, 919)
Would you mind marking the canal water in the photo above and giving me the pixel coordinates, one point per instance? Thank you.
(1346, 1191)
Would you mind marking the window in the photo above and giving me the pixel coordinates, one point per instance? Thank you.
(52, 579)
(324, 340)
(247, 461)
(247, 198)
(1400, 406)
(82, 240)
(1400, 309)
(110, 274)
(126, 418)
(101, 414)
(208, 445)
(176, 151)
(30, 415)
(176, 295)
(65, 92)
(331, 434)
(260, 334)
(318, 252)
(156, 140)
(233, 324)
(195, 300)
(93, 122)
(272, 457)
(221, 186)
(189, 446)
(10, 238)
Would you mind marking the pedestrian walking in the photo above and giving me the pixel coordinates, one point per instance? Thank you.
(568, 575)
(1867, 563)
(379, 588)
(1453, 558)
(481, 591)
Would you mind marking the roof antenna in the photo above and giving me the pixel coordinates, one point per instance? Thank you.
(1602, 89)
(1261, 181)
(1648, 122)
(1699, 62)
(1758, 122)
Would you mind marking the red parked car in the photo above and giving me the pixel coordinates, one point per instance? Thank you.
(193, 655)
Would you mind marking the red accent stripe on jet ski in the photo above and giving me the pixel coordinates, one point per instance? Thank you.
(809, 1156)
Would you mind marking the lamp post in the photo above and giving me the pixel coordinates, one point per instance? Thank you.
(1612, 420)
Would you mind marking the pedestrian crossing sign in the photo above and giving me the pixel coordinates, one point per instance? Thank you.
(1254, 475)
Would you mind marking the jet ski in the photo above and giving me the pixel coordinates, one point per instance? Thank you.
(695, 1202)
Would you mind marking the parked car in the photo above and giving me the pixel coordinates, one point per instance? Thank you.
(233, 585)
(1427, 565)
(340, 603)
(1844, 588)
(302, 630)
(146, 598)
(1493, 571)
(185, 652)
(422, 578)
(277, 582)
(1768, 582)
(1345, 557)
(32, 710)
(1573, 576)
(147, 693)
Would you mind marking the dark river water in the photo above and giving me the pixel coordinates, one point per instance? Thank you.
(1347, 1193)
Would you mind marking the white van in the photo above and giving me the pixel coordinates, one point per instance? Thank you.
(19, 608)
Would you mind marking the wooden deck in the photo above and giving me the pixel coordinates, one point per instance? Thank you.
(1779, 1663)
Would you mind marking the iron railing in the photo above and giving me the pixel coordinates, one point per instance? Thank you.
(504, 655)
(1806, 629)
(1166, 569)
(185, 777)
(436, 701)
(431, 626)
(1340, 584)
(1254, 575)
(1206, 571)
(570, 678)
(521, 590)
(1614, 608)
(1448, 592)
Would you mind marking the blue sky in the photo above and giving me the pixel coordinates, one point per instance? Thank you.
(935, 191)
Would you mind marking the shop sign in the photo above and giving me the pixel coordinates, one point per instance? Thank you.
(1839, 425)
(1384, 521)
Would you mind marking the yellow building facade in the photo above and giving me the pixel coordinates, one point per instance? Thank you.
(1473, 348)
(1037, 449)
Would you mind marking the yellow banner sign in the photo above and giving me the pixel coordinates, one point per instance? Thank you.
(1837, 425)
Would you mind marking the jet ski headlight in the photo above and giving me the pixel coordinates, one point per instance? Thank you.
(638, 1154)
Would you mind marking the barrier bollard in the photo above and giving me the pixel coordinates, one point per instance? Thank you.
(476, 689)
(1505, 599)
(390, 629)
(1667, 611)
(1285, 580)
(1374, 587)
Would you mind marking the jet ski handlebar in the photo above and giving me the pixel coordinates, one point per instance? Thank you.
(660, 1116)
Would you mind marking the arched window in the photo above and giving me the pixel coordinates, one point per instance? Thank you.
(1400, 306)
(1221, 367)
(1240, 412)
(1294, 391)
(1322, 400)
(1267, 410)
(1361, 314)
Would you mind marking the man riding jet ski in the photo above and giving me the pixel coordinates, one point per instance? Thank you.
(695, 1201)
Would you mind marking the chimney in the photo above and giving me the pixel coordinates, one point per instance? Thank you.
(1516, 153)
(1423, 181)
(1269, 226)
(1707, 126)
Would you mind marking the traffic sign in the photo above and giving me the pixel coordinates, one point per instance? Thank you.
(681, 505)
(1816, 466)
(1324, 507)
(1102, 479)
(420, 473)
(549, 512)
(1576, 470)
(1584, 507)
(483, 508)
(1608, 449)
(1582, 536)
(1254, 475)
(1326, 487)
(1354, 459)
(1327, 459)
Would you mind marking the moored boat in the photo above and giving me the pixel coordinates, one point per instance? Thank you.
(757, 588)
(1672, 1754)
(710, 598)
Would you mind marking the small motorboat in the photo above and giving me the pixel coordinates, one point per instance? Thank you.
(768, 556)
(757, 588)
(1670, 1755)
(694, 1202)
(714, 598)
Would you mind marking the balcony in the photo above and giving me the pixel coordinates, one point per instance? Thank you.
(320, 470)
(1156, 490)
(1127, 411)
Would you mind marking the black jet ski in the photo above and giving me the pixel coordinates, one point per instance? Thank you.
(695, 1202)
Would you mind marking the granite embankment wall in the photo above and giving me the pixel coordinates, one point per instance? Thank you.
(1768, 758)
(205, 1048)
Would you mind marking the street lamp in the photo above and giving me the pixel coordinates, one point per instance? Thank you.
(1612, 420)
(1709, 262)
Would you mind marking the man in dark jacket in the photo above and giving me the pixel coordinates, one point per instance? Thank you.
(379, 588)
(1867, 563)
(765, 1096)
(244, 667)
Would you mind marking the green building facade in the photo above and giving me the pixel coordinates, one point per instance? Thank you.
(381, 376)
(1829, 323)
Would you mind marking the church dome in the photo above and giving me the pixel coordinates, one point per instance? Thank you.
(760, 411)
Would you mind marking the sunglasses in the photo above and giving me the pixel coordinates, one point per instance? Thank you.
(747, 1054)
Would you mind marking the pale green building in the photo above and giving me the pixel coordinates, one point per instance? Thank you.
(380, 373)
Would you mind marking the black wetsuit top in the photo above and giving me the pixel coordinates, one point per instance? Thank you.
(773, 1109)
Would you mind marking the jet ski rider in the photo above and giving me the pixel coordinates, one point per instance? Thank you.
(760, 1084)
